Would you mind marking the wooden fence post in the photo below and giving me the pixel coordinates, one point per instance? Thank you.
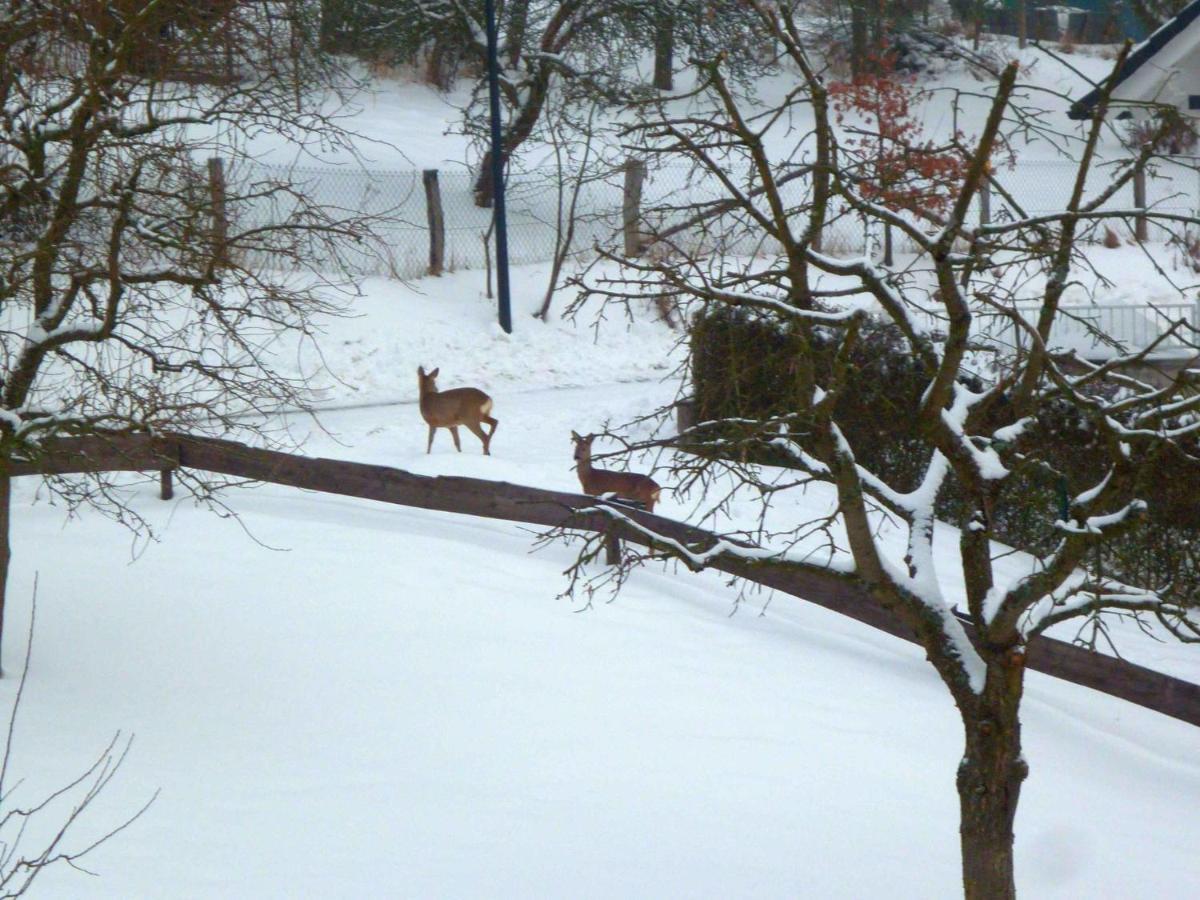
(437, 221)
(166, 484)
(1140, 230)
(612, 549)
(685, 410)
(631, 206)
(220, 221)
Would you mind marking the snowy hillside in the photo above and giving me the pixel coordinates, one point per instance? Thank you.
(343, 699)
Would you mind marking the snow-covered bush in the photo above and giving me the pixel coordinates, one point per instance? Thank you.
(743, 369)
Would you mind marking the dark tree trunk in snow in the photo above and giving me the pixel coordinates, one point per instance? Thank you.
(485, 187)
(513, 136)
(858, 39)
(989, 783)
(664, 51)
(518, 26)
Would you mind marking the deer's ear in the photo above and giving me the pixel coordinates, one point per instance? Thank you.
(434, 373)
(575, 437)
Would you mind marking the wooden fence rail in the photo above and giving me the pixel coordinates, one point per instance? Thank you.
(555, 509)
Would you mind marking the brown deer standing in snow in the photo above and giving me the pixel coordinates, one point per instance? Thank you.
(627, 485)
(458, 406)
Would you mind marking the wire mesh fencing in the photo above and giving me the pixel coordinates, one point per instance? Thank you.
(676, 207)
(395, 205)
(1040, 188)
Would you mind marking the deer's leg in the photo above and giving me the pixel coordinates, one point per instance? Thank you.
(481, 434)
(454, 434)
(429, 446)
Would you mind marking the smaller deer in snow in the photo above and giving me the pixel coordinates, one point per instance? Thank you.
(627, 485)
(458, 406)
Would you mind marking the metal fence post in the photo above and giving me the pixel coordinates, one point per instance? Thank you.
(985, 201)
(437, 221)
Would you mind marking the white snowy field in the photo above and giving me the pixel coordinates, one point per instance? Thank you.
(405, 124)
(343, 699)
(396, 128)
(371, 701)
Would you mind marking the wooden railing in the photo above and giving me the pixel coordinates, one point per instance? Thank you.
(555, 509)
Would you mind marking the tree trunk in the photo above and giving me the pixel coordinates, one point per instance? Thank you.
(516, 134)
(485, 187)
(664, 51)
(518, 27)
(441, 65)
(858, 39)
(989, 783)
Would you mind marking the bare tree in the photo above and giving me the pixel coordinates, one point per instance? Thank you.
(143, 286)
(565, 41)
(573, 171)
(582, 48)
(976, 411)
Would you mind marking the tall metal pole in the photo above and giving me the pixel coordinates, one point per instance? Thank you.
(489, 11)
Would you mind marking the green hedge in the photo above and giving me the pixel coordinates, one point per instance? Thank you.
(744, 366)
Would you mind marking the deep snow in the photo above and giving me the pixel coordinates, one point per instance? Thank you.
(344, 699)
(397, 703)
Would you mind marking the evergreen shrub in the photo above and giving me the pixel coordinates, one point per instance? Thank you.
(743, 367)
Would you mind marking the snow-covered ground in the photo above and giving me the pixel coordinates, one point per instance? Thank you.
(344, 699)
(403, 124)
(338, 698)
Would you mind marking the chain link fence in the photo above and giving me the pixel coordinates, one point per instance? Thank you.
(676, 200)
(1040, 188)
(396, 207)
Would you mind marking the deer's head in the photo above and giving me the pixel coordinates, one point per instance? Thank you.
(583, 446)
(427, 381)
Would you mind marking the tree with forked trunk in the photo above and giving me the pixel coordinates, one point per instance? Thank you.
(146, 274)
(585, 51)
(974, 309)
